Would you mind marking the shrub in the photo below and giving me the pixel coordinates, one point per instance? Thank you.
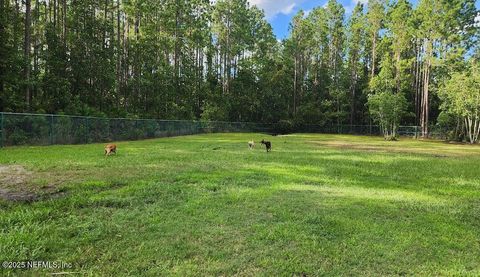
(284, 127)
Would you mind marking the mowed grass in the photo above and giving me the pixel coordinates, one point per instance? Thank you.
(206, 205)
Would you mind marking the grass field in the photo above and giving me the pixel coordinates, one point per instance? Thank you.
(206, 205)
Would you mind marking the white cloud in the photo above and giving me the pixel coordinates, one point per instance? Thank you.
(288, 9)
(275, 7)
(349, 8)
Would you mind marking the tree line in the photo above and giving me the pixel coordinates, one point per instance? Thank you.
(386, 62)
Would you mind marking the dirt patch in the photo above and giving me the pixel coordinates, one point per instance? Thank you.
(350, 146)
(391, 148)
(17, 196)
(16, 184)
(13, 174)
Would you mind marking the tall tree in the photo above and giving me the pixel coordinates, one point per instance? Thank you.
(336, 37)
(198, 59)
(400, 27)
(456, 19)
(355, 41)
(375, 17)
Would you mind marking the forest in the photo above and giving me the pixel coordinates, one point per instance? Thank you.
(387, 62)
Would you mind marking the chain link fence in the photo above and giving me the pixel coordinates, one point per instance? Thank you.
(47, 129)
(372, 130)
(41, 129)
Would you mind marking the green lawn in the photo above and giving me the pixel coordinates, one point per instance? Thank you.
(206, 205)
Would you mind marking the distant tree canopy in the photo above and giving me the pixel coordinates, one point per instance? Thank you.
(191, 59)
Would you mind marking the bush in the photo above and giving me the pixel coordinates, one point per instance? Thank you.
(284, 127)
(449, 127)
(18, 137)
(387, 110)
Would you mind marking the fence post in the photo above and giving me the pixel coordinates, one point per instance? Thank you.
(86, 130)
(136, 129)
(2, 130)
(50, 131)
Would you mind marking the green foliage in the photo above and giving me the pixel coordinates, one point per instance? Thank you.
(387, 110)
(284, 127)
(386, 107)
(385, 80)
(451, 126)
(461, 97)
(213, 112)
(219, 60)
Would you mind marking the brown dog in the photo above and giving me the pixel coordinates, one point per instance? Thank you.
(110, 148)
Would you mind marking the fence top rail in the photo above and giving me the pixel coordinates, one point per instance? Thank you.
(183, 121)
(335, 125)
(132, 119)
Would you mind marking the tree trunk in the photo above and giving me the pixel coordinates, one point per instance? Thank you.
(426, 99)
(177, 52)
(26, 53)
(425, 95)
(476, 129)
(36, 46)
(104, 34)
(64, 29)
(55, 15)
(3, 9)
(295, 88)
(397, 70)
(353, 88)
(374, 50)
(416, 82)
(119, 57)
(469, 129)
(126, 53)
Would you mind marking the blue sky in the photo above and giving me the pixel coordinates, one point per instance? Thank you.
(280, 12)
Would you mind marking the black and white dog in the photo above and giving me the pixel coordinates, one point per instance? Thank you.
(268, 145)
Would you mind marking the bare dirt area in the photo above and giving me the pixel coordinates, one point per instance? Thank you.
(435, 149)
(16, 184)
